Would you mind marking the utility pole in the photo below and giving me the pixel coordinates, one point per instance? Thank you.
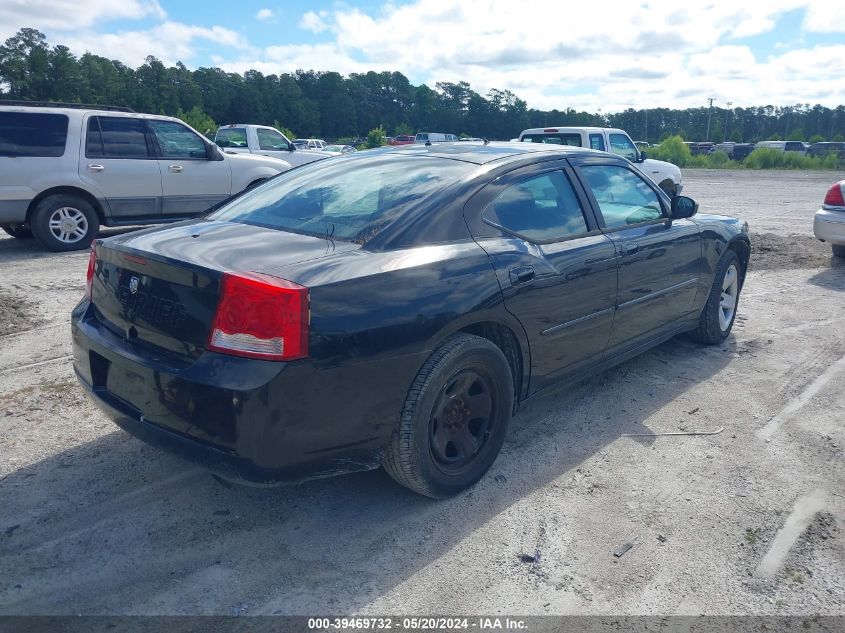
(727, 115)
(709, 112)
(646, 126)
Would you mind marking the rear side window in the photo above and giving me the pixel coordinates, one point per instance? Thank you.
(116, 137)
(541, 209)
(597, 142)
(623, 197)
(347, 200)
(32, 134)
(231, 137)
(555, 138)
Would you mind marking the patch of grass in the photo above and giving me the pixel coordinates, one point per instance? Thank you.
(60, 387)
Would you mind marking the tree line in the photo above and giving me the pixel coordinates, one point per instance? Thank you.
(327, 104)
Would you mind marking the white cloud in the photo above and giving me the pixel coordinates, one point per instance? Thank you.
(169, 41)
(314, 22)
(612, 55)
(265, 15)
(69, 15)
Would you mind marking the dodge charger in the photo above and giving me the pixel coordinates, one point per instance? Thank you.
(394, 307)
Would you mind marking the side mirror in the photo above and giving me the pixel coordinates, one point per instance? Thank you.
(213, 153)
(643, 156)
(683, 207)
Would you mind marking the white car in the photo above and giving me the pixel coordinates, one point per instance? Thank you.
(338, 150)
(829, 222)
(666, 175)
(245, 138)
(66, 170)
(311, 143)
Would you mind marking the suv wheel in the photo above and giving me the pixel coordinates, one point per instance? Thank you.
(17, 230)
(64, 222)
(454, 420)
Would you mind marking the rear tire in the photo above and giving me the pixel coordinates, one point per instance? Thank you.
(717, 318)
(64, 222)
(838, 250)
(454, 420)
(20, 231)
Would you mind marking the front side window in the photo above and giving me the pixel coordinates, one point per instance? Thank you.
(541, 209)
(231, 137)
(621, 145)
(351, 201)
(177, 141)
(271, 140)
(116, 137)
(623, 197)
(32, 134)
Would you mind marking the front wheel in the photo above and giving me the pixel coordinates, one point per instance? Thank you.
(719, 312)
(454, 420)
(64, 222)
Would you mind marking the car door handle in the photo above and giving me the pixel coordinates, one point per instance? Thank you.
(95, 168)
(176, 168)
(521, 275)
(629, 249)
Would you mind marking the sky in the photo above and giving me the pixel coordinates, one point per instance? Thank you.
(603, 55)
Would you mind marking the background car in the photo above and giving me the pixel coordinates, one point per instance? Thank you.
(827, 148)
(66, 169)
(337, 150)
(402, 139)
(310, 143)
(246, 138)
(394, 307)
(829, 221)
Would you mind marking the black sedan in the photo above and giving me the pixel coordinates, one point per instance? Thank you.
(394, 307)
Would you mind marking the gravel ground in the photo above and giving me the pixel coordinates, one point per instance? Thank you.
(93, 521)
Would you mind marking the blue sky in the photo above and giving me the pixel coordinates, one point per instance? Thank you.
(608, 54)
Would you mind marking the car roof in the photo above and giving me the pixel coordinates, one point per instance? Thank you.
(480, 153)
(83, 111)
(551, 129)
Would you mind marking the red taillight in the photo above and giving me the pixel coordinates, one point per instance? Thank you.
(834, 197)
(92, 265)
(260, 316)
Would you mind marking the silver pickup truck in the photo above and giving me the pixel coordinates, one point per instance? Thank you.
(243, 138)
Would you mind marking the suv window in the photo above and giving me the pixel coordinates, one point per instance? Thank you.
(554, 139)
(116, 137)
(541, 209)
(231, 137)
(623, 197)
(622, 146)
(177, 141)
(597, 142)
(32, 134)
(271, 140)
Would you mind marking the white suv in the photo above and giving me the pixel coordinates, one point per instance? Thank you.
(65, 170)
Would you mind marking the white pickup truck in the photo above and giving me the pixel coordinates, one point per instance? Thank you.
(608, 139)
(242, 138)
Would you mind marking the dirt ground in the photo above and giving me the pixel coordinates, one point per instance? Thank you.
(746, 521)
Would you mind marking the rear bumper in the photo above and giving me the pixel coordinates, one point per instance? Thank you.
(254, 422)
(829, 226)
(13, 211)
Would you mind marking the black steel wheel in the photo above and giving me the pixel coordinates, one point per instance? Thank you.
(454, 420)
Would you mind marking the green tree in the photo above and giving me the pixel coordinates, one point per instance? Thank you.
(816, 138)
(198, 120)
(403, 129)
(796, 135)
(376, 138)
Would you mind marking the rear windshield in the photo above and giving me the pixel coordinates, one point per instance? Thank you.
(555, 138)
(350, 200)
(32, 134)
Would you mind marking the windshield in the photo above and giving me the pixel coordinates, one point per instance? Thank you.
(351, 200)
